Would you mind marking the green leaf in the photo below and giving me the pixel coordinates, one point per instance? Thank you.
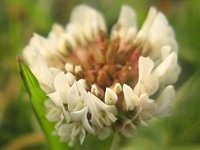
(38, 97)
(185, 147)
(185, 123)
(187, 36)
(92, 142)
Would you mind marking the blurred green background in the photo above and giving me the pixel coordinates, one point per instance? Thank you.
(19, 19)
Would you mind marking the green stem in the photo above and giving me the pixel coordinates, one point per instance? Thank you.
(115, 142)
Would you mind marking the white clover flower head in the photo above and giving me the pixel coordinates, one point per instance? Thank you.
(98, 85)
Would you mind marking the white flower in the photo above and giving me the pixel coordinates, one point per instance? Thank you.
(164, 101)
(168, 70)
(96, 85)
(53, 113)
(127, 128)
(101, 113)
(155, 24)
(110, 97)
(147, 82)
(78, 126)
(131, 100)
(125, 28)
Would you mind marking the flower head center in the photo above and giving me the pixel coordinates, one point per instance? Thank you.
(107, 62)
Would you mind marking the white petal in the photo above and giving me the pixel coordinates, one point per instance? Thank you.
(165, 51)
(54, 71)
(70, 78)
(63, 45)
(48, 103)
(89, 19)
(46, 46)
(78, 115)
(57, 31)
(145, 67)
(39, 68)
(69, 67)
(127, 17)
(169, 62)
(168, 71)
(66, 115)
(75, 131)
(55, 97)
(110, 97)
(82, 116)
(82, 136)
(128, 129)
(65, 130)
(126, 26)
(72, 35)
(78, 69)
(173, 74)
(130, 99)
(164, 101)
(118, 88)
(61, 83)
(57, 126)
(101, 105)
(131, 33)
(38, 42)
(150, 34)
(93, 109)
(75, 101)
(150, 86)
(144, 101)
(103, 133)
(53, 113)
(157, 40)
(101, 113)
(77, 32)
(94, 89)
(82, 83)
(148, 22)
(147, 82)
(148, 107)
(29, 54)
